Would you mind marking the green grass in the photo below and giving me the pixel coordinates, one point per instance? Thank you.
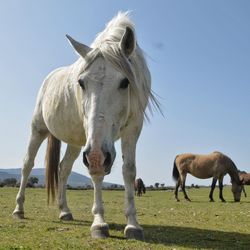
(167, 224)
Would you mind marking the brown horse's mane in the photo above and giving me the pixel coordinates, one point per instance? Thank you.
(233, 172)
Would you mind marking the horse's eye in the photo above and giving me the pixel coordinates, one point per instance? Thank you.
(81, 83)
(124, 83)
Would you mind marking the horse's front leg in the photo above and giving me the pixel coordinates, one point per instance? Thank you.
(99, 228)
(133, 229)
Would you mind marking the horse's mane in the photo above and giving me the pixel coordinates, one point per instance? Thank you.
(134, 68)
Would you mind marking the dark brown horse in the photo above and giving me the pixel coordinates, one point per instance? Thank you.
(215, 165)
(139, 187)
(245, 178)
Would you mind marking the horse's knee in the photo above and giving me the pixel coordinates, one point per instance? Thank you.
(128, 170)
(20, 199)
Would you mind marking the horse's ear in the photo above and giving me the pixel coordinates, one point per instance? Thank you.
(80, 48)
(128, 42)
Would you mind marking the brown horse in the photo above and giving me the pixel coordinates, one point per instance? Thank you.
(139, 187)
(215, 165)
(245, 178)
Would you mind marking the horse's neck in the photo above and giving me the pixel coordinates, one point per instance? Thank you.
(233, 172)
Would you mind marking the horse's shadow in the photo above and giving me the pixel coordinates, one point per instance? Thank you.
(196, 238)
(191, 237)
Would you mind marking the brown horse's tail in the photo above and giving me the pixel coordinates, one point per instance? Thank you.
(52, 160)
(176, 173)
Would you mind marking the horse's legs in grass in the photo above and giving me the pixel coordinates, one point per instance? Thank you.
(183, 182)
(176, 189)
(212, 189)
(128, 143)
(244, 191)
(99, 228)
(64, 171)
(221, 189)
(36, 139)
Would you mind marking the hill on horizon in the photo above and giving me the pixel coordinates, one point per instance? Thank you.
(74, 180)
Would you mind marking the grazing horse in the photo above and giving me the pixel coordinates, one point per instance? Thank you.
(139, 187)
(245, 178)
(215, 165)
(97, 100)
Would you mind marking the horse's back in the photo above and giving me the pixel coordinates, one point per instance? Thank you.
(199, 165)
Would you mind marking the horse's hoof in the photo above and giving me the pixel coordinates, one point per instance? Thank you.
(18, 215)
(100, 231)
(66, 217)
(211, 200)
(187, 199)
(134, 233)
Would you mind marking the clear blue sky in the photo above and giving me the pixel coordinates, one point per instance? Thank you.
(199, 56)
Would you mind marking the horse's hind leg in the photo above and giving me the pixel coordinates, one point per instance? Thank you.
(212, 189)
(36, 139)
(221, 189)
(64, 171)
(176, 189)
(183, 182)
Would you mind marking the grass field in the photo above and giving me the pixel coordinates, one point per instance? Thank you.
(167, 224)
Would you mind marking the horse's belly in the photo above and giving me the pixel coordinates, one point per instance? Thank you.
(71, 134)
(74, 137)
(65, 125)
(201, 174)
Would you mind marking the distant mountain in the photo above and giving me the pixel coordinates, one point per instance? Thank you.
(74, 180)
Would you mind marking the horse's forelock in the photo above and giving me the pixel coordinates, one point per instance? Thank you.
(120, 62)
(107, 46)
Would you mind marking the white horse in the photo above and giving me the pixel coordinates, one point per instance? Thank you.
(92, 103)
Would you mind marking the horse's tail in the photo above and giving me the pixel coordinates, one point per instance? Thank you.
(176, 173)
(52, 160)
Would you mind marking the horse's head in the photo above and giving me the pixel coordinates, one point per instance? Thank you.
(237, 189)
(105, 101)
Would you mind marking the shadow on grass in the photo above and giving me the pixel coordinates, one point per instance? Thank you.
(190, 237)
(195, 237)
(179, 236)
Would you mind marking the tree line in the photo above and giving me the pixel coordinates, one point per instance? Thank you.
(33, 181)
(12, 182)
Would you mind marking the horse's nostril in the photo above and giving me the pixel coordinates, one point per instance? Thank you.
(107, 161)
(85, 160)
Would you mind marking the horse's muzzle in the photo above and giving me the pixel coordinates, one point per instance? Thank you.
(98, 162)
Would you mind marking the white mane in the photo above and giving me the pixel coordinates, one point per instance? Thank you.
(135, 68)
